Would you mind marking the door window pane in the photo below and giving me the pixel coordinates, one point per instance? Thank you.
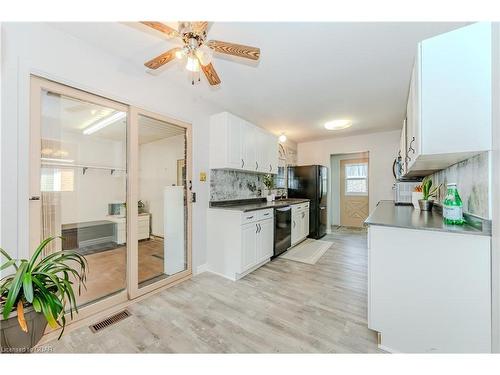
(82, 178)
(162, 200)
(356, 179)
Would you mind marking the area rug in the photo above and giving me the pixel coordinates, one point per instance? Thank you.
(308, 251)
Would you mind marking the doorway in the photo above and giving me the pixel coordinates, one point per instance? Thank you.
(350, 189)
(113, 181)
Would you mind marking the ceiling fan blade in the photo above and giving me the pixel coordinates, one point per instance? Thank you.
(199, 27)
(162, 59)
(239, 50)
(161, 27)
(211, 74)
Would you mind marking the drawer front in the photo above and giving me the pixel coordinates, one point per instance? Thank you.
(249, 217)
(265, 214)
(143, 218)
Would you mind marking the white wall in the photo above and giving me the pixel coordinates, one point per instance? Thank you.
(334, 203)
(40, 49)
(382, 148)
(157, 169)
(495, 193)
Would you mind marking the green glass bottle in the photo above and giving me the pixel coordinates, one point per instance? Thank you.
(452, 206)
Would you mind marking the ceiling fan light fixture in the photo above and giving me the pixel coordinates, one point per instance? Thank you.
(192, 64)
(180, 54)
(338, 124)
(204, 55)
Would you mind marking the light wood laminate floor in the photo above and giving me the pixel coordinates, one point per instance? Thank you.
(283, 307)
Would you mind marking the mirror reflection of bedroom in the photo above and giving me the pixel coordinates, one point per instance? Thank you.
(84, 190)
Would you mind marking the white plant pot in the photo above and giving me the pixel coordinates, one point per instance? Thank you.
(415, 196)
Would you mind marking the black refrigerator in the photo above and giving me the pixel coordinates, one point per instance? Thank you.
(311, 182)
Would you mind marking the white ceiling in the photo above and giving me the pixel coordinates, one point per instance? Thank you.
(308, 73)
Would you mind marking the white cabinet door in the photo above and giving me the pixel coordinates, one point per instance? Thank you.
(412, 122)
(261, 153)
(456, 90)
(248, 246)
(296, 228)
(249, 147)
(305, 223)
(272, 154)
(265, 240)
(234, 149)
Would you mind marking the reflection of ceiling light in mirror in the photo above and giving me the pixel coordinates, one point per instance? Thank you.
(338, 124)
(104, 122)
(58, 160)
(282, 138)
(46, 151)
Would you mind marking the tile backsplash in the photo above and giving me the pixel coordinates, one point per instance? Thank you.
(230, 185)
(472, 178)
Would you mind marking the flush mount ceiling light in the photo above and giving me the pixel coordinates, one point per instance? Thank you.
(282, 138)
(338, 124)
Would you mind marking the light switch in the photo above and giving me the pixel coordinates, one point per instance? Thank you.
(203, 176)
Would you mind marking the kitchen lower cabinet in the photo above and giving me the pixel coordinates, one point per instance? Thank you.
(300, 222)
(239, 242)
(429, 291)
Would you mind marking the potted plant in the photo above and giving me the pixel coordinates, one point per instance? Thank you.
(269, 184)
(428, 192)
(40, 291)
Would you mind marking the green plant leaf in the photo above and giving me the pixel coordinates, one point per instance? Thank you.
(38, 251)
(28, 287)
(8, 257)
(14, 289)
(8, 264)
(36, 304)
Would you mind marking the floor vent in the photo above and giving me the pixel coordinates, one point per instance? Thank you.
(99, 326)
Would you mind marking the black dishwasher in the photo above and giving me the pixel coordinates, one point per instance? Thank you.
(282, 229)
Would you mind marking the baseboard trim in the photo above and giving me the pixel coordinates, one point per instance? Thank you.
(201, 268)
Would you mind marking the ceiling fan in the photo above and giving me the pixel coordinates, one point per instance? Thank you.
(197, 49)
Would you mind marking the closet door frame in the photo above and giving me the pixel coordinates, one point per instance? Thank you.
(132, 196)
(37, 85)
(89, 313)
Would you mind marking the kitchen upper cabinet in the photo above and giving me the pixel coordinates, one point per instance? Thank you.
(238, 144)
(449, 101)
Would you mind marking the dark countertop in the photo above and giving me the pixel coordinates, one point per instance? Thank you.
(254, 205)
(390, 215)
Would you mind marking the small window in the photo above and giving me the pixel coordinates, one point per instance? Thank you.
(54, 179)
(356, 179)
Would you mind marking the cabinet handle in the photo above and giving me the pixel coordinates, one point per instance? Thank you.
(266, 214)
(34, 198)
(411, 147)
(260, 228)
(294, 223)
(270, 168)
(250, 217)
(242, 163)
(256, 165)
(256, 228)
(303, 214)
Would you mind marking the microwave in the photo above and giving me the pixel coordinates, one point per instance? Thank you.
(403, 190)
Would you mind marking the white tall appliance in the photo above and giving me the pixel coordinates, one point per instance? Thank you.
(174, 229)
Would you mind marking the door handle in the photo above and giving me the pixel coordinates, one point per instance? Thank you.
(34, 198)
(411, 147)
